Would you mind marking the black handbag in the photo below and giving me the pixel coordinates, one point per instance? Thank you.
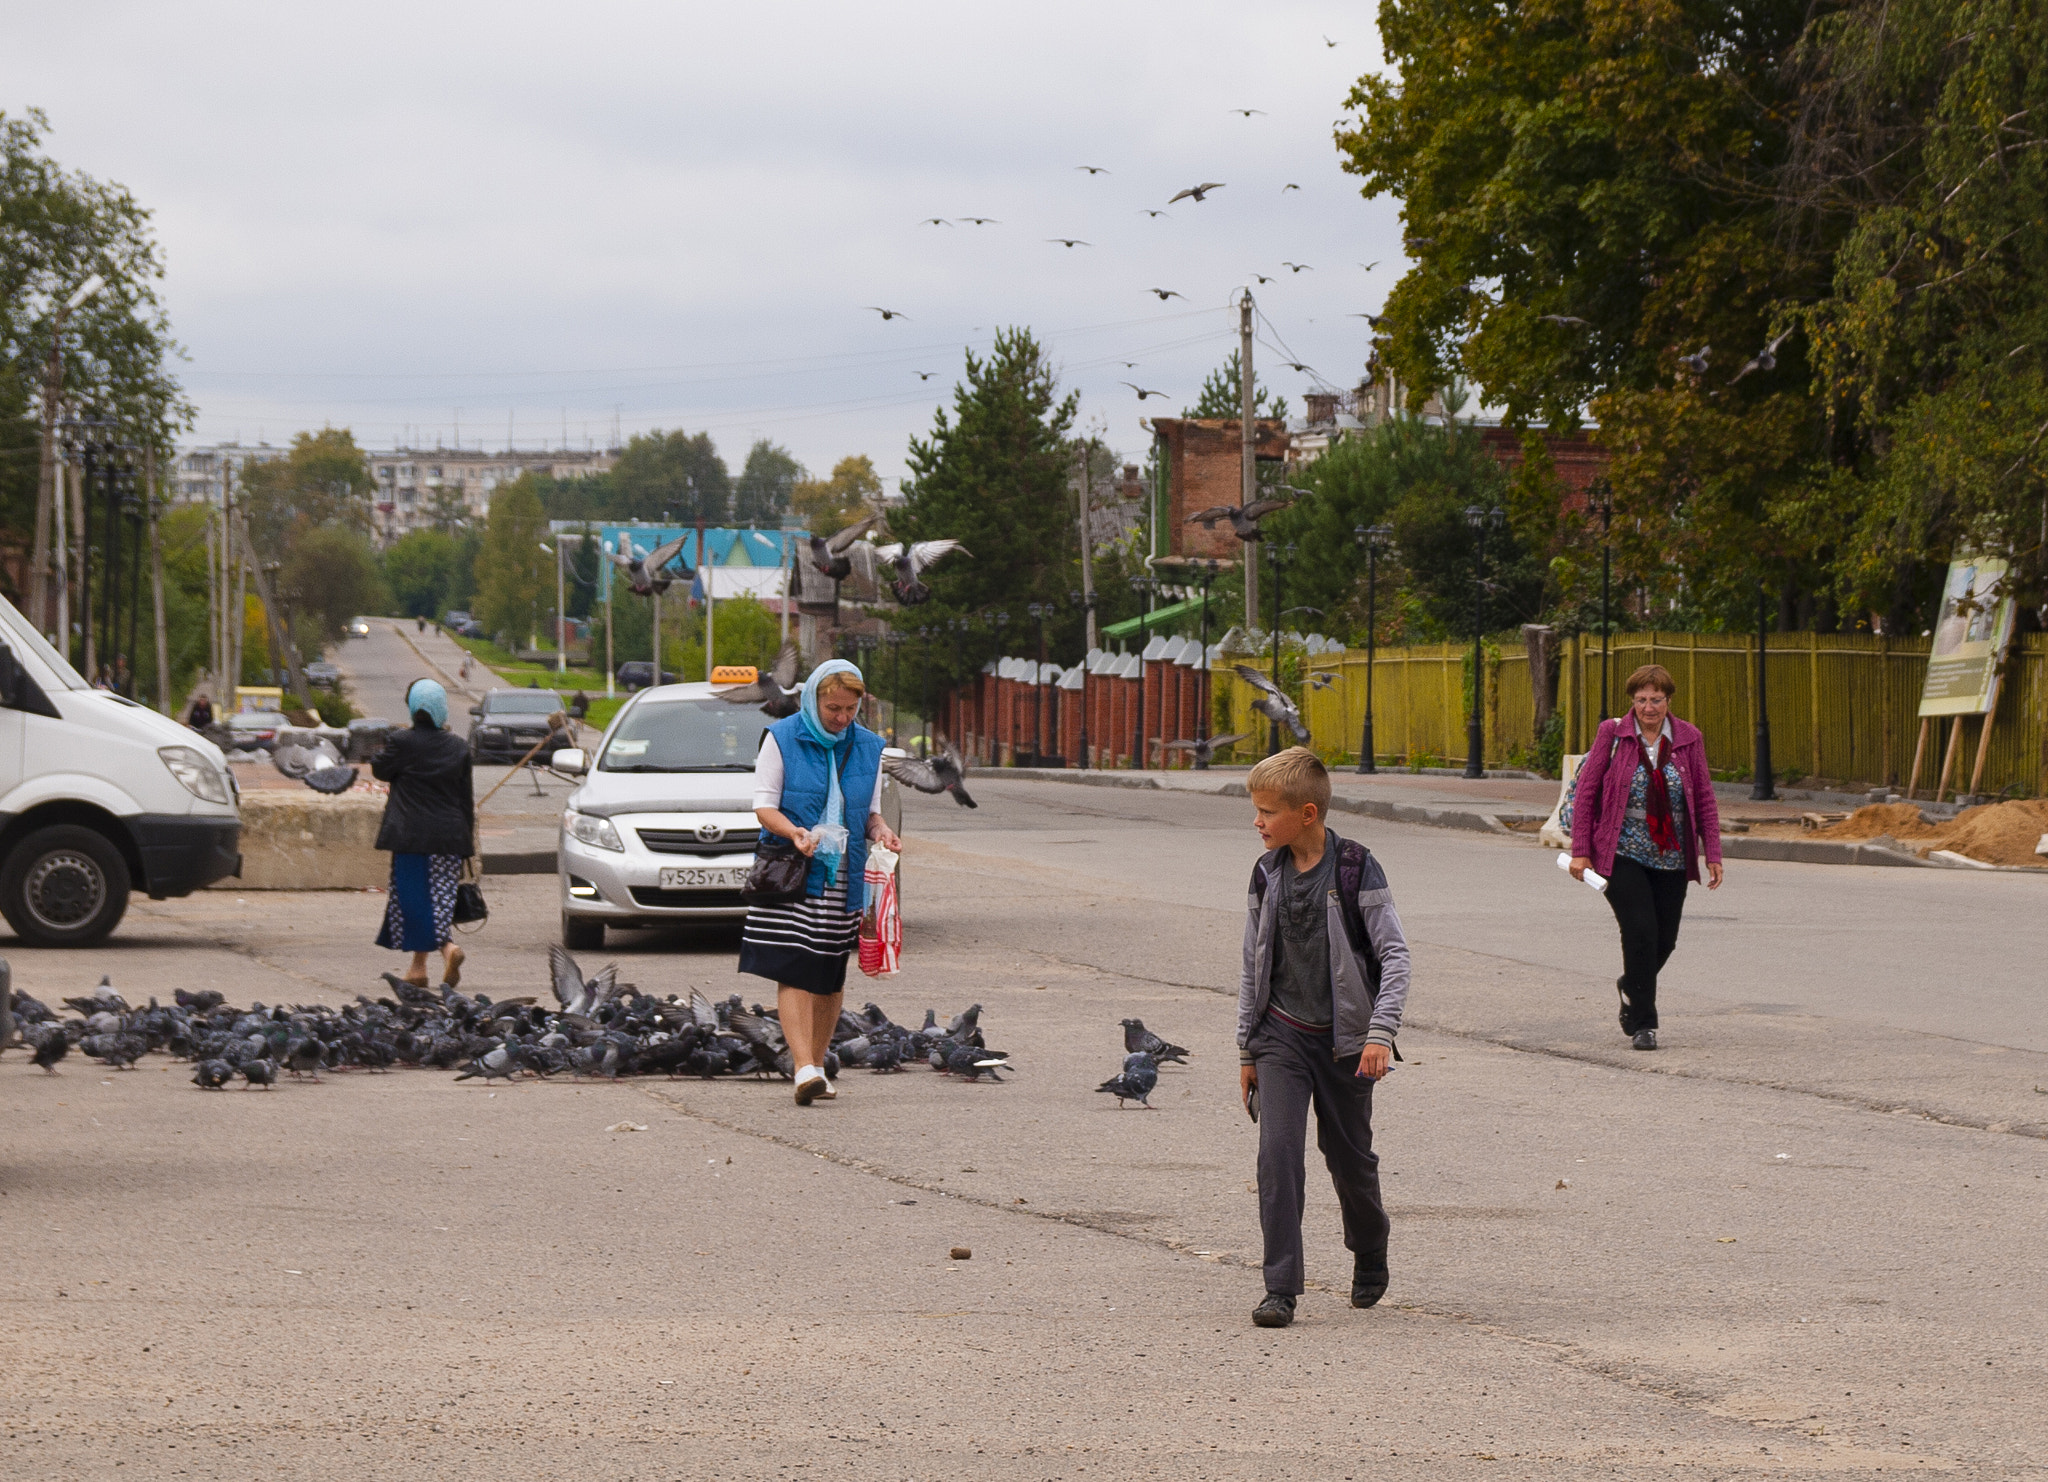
(778, 875)
(469, 903)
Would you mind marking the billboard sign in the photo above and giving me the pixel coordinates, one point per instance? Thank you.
(1970, 638)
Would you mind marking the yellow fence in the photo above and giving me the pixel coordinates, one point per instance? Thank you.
(1843, 706)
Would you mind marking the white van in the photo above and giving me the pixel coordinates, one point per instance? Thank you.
(99, 796)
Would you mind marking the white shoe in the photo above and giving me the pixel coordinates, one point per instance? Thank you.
(831, 1091)
(810, 1084)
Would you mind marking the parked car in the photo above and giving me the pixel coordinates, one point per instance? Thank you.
(322, 675)
(662, 830)
(638, 674)
(509, 722)
(359, 628)
(456, 617)
(99, 797)
(255, 729)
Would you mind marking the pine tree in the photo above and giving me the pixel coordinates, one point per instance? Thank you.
(1221, 393)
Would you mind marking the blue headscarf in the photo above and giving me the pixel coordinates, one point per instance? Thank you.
(814, 727)
(430, 697)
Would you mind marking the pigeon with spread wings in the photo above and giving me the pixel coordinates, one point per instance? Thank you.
(1273, 702)
(649, 574)
(833, 555)
(943, 771)
(1199, 192)
(910, 558)
(1244, 522)
(1205, 751)
(776, 692)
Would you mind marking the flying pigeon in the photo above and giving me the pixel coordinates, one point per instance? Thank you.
(944, 771)
(1167, 293)
(1273, 702)
(776, 692)
(1244, 523)
(1092, 169)
(832, 555)
(1696, 363)
(1199, 192)
(331, 780)
(1560, 319)
(1299, 267)
(981, 221)
(1246, 112)
(1766, 358)
(887, 314)
(1138, 1037)
(650, 573)
(576, 994)
(1142, 392)
(1205, 751)
(910, 560)
(1070, 241)
(1135, 1082)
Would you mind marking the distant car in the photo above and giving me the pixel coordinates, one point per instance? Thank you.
(323, 674)
(255, 728)
(638, 674)
(456, 617)
(469, 628)
(359, 629)
(508, 723)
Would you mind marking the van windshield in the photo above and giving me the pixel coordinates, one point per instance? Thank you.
(685, 736)
(522, 702)
(19, 630)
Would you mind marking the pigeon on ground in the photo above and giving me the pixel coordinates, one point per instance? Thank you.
(415, 995)
(833, 556)
(1273, 702)
(259, 1072)
(1135, 1082)
(104, 1000)
(51, 1045)
(1137, 1037)
(211, 1075)
(972, 1062)
(1205, 750)
(205, 1001)
(651, 573)
(302, 1057)
(1244, 522)
(776, 692)
(944, 771)
(120, 1051)
(967, 1021)
(910, 560)
(501, 1063)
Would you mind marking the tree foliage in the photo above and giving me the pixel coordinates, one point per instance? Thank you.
(514, 578)
(332, 575)
(419, 572)
(761, 497)
(1222, 393)
(826, 506)
(672, 476)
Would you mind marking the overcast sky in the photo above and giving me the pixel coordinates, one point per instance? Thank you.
(387, 216)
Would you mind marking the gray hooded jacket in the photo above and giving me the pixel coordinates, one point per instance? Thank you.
(1361, 1016)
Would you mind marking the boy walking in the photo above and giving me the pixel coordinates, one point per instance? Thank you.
(1319, 1003)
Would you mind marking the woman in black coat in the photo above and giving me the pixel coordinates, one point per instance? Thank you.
(430, 828)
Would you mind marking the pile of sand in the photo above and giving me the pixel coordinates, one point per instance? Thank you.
(1996, 833)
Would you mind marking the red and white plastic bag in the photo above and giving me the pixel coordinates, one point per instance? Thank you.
(881, 927)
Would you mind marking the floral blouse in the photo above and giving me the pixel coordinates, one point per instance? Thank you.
(1635, 840)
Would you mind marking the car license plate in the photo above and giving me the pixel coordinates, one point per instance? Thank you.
(688, 879)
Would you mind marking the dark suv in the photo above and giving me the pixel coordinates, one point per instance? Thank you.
(638, 674)
(508, 723)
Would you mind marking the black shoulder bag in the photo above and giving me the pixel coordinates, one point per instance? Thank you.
(780, 868)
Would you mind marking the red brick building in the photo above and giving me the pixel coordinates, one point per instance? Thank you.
(1205, 467)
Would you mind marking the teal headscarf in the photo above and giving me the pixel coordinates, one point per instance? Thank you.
(814, 727)
(430, 697)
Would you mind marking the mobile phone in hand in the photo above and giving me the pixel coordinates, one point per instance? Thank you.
(1251, 1101)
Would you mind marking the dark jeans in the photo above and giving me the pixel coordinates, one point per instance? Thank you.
(1647, 904)
(1297, 1070)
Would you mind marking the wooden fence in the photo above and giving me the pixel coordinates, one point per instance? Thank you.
(1843, 706)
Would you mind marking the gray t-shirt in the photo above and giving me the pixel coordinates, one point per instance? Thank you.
(1301, 944)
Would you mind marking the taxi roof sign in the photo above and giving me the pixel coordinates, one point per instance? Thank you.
(735, 674)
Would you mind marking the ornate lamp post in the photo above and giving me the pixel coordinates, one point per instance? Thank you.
(924, 664)
(1372, 539)
(1039, 612)
(1141, 753)
(1282, 554)
(1206, 568)
(1601, 503)
(895, 641)
(1763, 786)
(1000, 621)
(1479, 521)
(1086, 602)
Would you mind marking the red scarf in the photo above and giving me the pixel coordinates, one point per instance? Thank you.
(1657, 797)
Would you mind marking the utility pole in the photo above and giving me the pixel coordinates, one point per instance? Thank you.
(49, 498)
(561, 614)
(1087, 545)
(1250, 473)
(710, 617)
(267, 595)
(610, 691)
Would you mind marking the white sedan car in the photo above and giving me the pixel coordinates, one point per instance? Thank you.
(662, 830)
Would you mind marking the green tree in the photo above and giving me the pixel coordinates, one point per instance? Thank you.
(996, 475)
(514, 578)
(826, 506)
(324, 480)
(763, 492)
(1223, 392)
(672, 475)
(331, 573)
(419, 571)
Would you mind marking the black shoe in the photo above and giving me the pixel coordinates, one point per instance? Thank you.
(1645, 1039)
(1368, 1280)
(1626, 1027)
(1277, 1311)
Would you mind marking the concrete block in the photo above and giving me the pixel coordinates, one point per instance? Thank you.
(299, 840)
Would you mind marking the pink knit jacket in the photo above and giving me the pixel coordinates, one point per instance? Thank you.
(1600, 798)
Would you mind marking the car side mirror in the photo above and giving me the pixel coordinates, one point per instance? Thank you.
(476, 710)
(572, 760)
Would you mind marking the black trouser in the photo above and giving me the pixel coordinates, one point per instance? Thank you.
(1297, 1069)
(1647, 904)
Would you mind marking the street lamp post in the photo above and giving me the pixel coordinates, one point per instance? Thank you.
(1141, 751)
(895, 642)
(1039, 612)
(1763, 786)
(1086, 602)
(561, 636)
(131, 507)
(1480, 521)
(924, 719)
(1282, 554)
(1372, 540)
(1603, 506)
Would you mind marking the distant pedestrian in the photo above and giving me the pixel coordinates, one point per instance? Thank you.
(1319, 1002)
(1643, 811)
(200, 716)
(817, 772)
(430, 829)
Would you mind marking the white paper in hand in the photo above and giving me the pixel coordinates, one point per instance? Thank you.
(1593, 878)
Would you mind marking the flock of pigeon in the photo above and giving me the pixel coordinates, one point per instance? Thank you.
(597, 1027)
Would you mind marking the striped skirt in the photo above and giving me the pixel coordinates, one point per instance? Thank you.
(804, 945)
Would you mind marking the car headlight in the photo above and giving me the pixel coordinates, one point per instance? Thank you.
(195, 772)
(490, 730)
(598, 833)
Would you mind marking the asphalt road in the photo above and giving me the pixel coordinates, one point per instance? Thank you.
(1805, 1239)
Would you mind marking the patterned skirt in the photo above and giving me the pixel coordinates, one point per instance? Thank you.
(419, 911)
(803, 945)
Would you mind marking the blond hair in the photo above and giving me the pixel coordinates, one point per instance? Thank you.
(841, 680)
(1297, 775)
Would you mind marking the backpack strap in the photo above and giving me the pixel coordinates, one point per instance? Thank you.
(1353, 862)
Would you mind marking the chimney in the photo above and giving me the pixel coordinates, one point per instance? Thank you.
(1322, 407)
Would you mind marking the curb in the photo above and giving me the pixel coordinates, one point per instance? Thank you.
(524, 862)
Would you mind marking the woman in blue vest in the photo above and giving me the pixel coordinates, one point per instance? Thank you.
(818, 771)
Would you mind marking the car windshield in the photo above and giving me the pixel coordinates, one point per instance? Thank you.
(685, 736)
(523, 702)
(255, 720)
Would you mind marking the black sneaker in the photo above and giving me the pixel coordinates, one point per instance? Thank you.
(1368, 1280)
(1277, 1311)
(1645, 1039)
(1626, 1028)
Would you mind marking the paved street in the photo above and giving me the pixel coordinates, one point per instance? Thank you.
(1803, 1239)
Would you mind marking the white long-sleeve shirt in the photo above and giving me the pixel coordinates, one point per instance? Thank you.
(768, 779)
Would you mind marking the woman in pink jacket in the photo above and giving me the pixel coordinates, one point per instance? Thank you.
(1643, 811)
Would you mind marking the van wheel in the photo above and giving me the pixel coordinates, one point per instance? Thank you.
(582, 935)
(64, 886)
